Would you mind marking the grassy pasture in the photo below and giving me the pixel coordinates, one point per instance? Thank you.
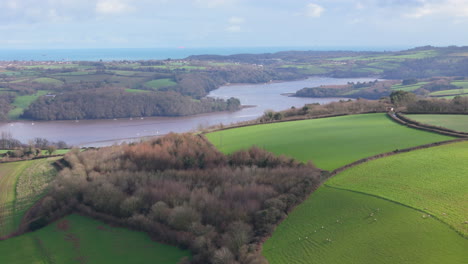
(307, 68)
(9, 174)
(49, 81)
(22, 183)
(408, 88)
(397, 235)
(449, 92)
(454, 122)
(159, 83)
(329, 142)
(74, 73)
(463, 84)
(136, 91)
(77, 239)
(23, 102)
(434, 180)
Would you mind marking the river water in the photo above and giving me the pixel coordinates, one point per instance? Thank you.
(86, 133)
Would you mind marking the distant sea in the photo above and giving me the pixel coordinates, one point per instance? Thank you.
(117, 54)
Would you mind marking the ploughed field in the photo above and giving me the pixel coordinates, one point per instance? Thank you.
(453, 122)
(329, 142)
(78, 239)
(406, 208)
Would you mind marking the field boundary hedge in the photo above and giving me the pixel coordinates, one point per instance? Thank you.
(396, 151)
(34, 158)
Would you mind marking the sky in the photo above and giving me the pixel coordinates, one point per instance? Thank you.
(34, 24)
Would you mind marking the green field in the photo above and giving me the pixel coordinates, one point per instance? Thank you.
(359, 228)
(136, 91)
(408, 88)
(77, 239)
(433, 180)
(156, 84)
(453, 122)
(49, 81)
(463, 84)
(23, 102)
(449, 92)
(21, 184)
(329, 142)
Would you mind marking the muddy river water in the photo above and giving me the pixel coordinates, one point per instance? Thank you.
(107, 132)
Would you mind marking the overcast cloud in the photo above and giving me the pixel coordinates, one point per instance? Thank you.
(227, 23)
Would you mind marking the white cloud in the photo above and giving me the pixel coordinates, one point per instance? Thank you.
(457, 8)
(234, 28)
(236, 20)
(314, 10)
(112, 7)
(212, 3)
(360, 6)
(235, 24)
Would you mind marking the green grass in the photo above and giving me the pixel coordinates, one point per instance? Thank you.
(329, 142)
(74, 73)
(136, 91)
(307, 68)
(48, 81)
(23, 102)
(22, 183)
(408, 88)
(86, 241)
(463, 84)
(398, 235)
(449, 92)
(9, 174)
(434, 180)
(156, 84)
(453, 122)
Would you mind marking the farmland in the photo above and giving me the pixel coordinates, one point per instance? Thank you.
(432, 180)
(22, 102)
(156, 84)
(22, 183)
(339, 226)
(453, 122)
(78, 239)
(330, 142)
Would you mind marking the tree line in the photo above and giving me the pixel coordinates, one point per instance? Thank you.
(116, 103)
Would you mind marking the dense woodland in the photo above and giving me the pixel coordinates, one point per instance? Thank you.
(182, 191)
(112, 103)
(5, 107)
(458, 104)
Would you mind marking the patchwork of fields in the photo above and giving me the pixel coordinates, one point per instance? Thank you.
(78, 239)
(406, 208)
(330, 142)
